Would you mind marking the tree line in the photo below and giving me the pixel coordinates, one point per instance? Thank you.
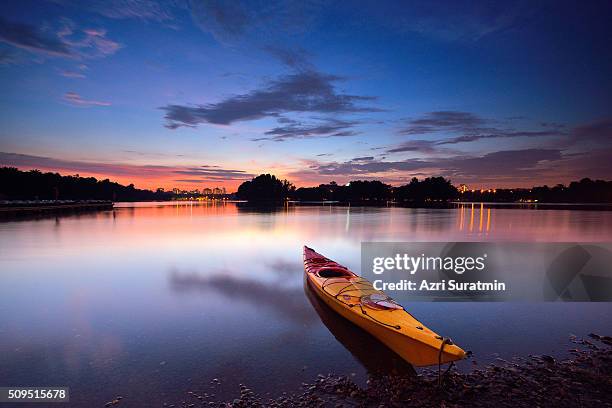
(36, 185)
(583, 191)
(268, 188)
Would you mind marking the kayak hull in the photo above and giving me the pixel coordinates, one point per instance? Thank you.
(395, 328)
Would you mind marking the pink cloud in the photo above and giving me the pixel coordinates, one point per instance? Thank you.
(75, 99)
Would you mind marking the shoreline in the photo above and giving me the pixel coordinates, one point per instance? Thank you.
(33, 207)
(584, 380)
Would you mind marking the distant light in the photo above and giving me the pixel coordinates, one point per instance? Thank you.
(348, 184)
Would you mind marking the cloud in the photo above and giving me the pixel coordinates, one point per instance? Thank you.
(68, 41)
(468, 127)
(227, 21)
(422, 146)
(149, 10)
(307, 91)
(501, 163)
(230, 21)
(298, 130)
(7, 57)
(518, 164)
(296, 57)
(72, 74)
(357, 168)
(224, 20)
(498, 133)
(460, 22)
(595, 164)
(362, 159)
(75, 99)
(433, 146)
(438, 121)
(599, 132)
(215, 173)
(42, 162)
(122, 170)
(30, 38)
(88, 42)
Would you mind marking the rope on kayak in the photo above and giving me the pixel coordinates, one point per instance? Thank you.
(445, 340)
(396, 326)
(363, 311)
(345, 289)
(351, 286)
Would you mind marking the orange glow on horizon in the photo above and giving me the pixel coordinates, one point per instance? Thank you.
(153, 177)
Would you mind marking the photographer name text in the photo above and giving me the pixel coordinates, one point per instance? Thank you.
(413, 264)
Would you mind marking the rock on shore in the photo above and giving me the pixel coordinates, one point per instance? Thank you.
(584, 380)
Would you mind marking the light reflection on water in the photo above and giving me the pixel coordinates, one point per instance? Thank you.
(151, 300)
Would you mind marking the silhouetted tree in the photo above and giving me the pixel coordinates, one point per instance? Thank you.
(430, 189)
(265, 188)
(364, 190)
(28, 185)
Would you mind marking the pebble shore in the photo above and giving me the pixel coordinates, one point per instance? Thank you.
(583, 380)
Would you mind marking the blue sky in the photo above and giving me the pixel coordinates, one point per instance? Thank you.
(195, 93)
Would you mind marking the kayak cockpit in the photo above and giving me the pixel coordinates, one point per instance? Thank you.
(334, 272)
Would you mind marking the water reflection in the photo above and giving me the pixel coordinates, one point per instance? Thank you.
(285, 301)
(91, 300)
(483, 214)
(372, 354)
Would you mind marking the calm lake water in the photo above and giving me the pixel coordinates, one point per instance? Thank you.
(152, 300)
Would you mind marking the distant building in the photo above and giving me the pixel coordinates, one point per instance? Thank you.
(217, 190)
(463, 188)
(207, 191)
(176, 191)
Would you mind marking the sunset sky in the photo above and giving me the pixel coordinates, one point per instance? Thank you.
(195, 94)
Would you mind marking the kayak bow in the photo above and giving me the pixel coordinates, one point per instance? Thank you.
(354, 298)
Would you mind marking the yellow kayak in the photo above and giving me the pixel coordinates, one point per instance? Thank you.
(354, 298)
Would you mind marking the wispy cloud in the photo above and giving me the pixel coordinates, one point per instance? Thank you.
(297, 130)
(88, 42)
(465, 126)
(68, 41)
(230, 21)
(460, 22)
(72, 74)
(75, 99)
(149, 10)
(438, 121)
(215, 173)
(7, 57)
(307, 91)
(296, 57)
(422, 146)
(123, 170)
(517, 165)
(31, 38)
(599, 131)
